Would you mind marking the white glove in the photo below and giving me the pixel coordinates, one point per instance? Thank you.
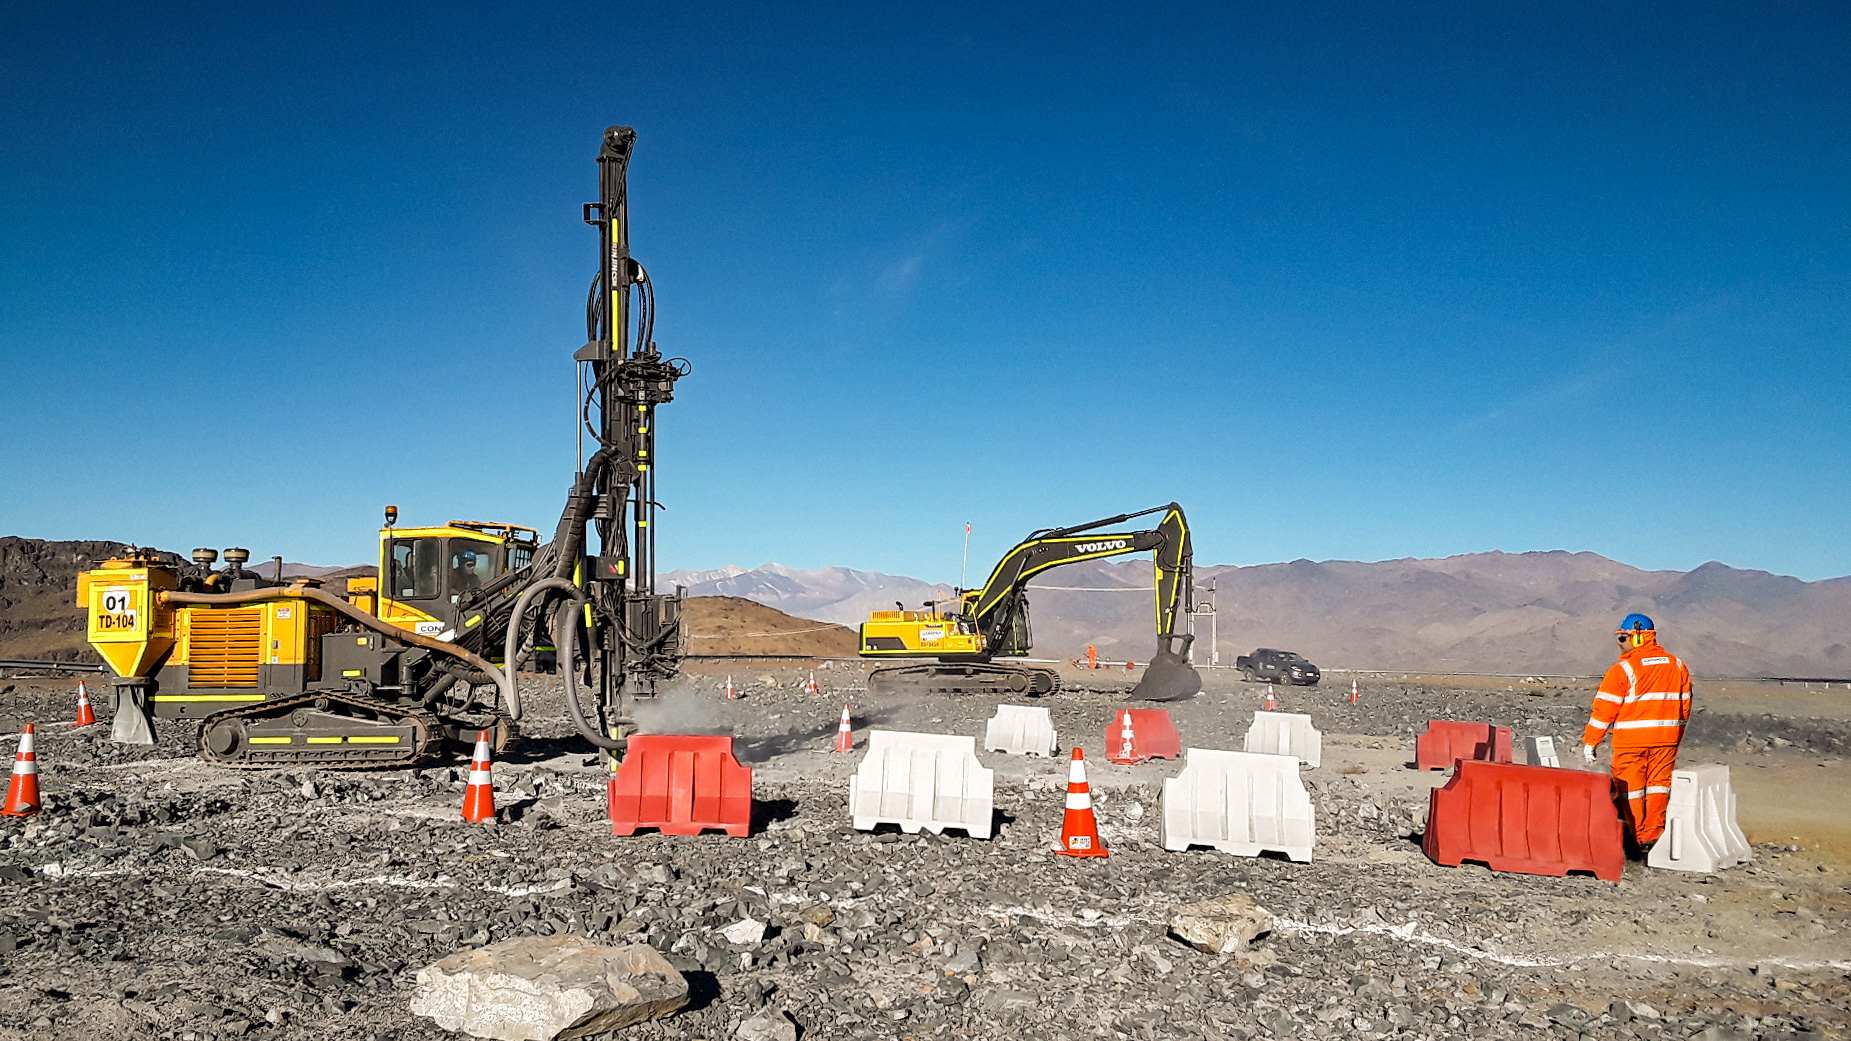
(1587, 752)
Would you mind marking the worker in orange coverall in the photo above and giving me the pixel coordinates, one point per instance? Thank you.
(1643, 703)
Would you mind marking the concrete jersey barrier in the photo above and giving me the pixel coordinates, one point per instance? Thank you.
(1244, 803)
(1700, 829)
(929, 781)
(1286, 733)
(1020, 730)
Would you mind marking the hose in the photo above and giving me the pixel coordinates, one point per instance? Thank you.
(568, 647)
(511, 642)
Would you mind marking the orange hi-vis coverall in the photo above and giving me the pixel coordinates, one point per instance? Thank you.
(1643, 702)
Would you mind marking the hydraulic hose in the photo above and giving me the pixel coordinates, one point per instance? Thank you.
(567, 643)
(353, 614)
(511, 642)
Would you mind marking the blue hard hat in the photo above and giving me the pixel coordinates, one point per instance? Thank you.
(1634, 623)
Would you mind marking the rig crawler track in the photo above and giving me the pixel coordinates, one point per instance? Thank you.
(323, 729)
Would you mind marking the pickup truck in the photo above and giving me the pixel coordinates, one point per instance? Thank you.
(1270, 666)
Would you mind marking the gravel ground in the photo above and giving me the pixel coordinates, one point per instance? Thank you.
(159, 897)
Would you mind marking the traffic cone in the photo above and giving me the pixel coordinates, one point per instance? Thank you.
(479, 797)
(1079, 833)
(1271, 704)
(1355, 696)
(1127, 750)
(810, 687)
(732, 693)
(22, 792)
(85, 716)
(845, 734)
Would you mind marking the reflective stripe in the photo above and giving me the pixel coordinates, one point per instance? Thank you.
(1643, 724)
(1668, 695)
(25, 743)
(1076, 773)
(1632, 679)
(1635, 793)
(25, 766)
(481, 777)
(363, 740)
(324, 740)
(1079, 800)
(1615, 698)
(1596, 724)
(269, 740)
(1658, 790)
(208, 697)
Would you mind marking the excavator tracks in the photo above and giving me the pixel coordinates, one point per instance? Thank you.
(967, 678)
(325, 729)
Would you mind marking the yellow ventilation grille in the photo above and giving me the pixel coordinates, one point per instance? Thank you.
(226, 648)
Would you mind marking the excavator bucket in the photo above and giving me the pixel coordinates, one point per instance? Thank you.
(1169, 677)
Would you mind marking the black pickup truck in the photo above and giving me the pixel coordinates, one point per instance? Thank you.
(1270, 666)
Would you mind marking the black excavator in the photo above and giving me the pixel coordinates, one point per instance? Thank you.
(992, 621)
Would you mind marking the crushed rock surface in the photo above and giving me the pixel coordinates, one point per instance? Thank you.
(160, 897)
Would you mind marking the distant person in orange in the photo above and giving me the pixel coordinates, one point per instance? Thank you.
(1644, 702)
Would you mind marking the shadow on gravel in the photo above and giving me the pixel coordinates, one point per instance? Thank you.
(764, 811)
(537, 749)
(703, 990)
(818, 738)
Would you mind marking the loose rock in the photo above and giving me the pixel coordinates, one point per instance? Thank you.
(541, 988)
(1222, 925)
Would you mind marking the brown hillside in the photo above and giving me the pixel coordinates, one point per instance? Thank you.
(730, 625)
(39, 616)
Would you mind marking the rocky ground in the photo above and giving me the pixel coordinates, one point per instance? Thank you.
(159, 897)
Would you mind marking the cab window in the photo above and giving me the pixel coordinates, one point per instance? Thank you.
(471, 564)
(415, 565)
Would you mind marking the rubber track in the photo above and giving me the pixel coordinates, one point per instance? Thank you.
(971, 678)
(333, 758)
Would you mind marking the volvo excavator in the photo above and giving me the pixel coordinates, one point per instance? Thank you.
(992, 621)
(286, 673)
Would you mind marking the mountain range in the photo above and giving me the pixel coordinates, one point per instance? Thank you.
(1545, 612)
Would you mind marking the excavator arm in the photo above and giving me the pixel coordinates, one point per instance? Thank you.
(999, 608)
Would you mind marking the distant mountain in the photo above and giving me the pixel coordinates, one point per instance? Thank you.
(1550, 612)
(833, 594)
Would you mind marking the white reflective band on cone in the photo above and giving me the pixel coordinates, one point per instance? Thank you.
(25, 766)
(1076, 772)
(25, 743)
(1079, 800)
(481, 777)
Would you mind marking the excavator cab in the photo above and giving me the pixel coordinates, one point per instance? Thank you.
(425, 574)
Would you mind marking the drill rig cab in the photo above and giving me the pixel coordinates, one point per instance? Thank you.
(992, 621)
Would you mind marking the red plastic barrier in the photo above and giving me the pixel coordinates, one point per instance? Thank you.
(1153, 736)
(681, 785)
(1538, 820)
(1446, 740)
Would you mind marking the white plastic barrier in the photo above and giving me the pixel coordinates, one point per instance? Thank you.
(1286, 733)
(1020, 730)
(930, 781)
(1540, 751)
(1700, 829)
(1242, 803)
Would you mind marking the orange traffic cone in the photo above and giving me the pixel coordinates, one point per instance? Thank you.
(810, 686)
(1079, 833)
(22, 792)
(1270, 703)
(1355, 696)
(85, 716)
(732, 693)
(479, 797)
(845, 734)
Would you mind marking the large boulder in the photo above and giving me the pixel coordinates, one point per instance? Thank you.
(537, 988)
(1222, 925)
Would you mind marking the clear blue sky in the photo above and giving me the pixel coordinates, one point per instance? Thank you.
(1348, 282)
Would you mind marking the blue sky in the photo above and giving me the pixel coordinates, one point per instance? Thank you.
(1347, 282)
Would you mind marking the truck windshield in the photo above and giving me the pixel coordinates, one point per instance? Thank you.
(414, 569)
